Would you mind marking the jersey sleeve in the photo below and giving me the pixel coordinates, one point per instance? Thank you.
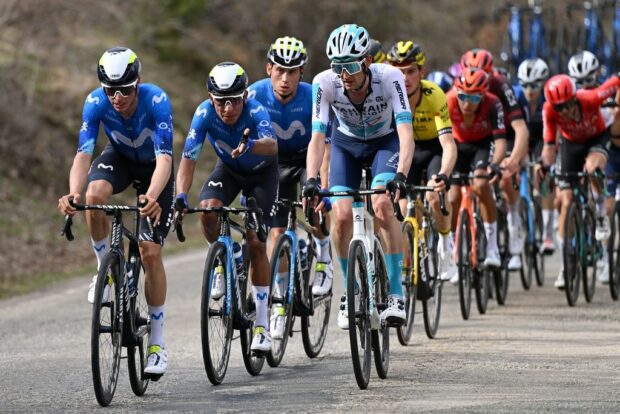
(394, 85)
(198, 131)
(608, 89)
(322, 94)
(442, 114)
(550, 127)
(89, 129)
(510, 101)
(162, 112)
(497, 120)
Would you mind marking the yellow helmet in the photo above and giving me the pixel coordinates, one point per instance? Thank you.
(404, 53)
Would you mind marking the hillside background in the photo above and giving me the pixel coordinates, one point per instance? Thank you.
(48, 55)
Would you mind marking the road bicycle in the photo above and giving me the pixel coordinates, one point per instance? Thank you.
(531, 217)
(298, 299)
(235, 310)
(613, 247)
(120, 315)
(420, 262)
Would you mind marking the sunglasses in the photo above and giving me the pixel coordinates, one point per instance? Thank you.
(469, 97)
(589, 81)
(222, 101)
(351, 67)
(562, 106)
(124, 91)
(531, 85)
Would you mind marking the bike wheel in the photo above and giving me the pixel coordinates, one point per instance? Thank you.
(405, 331)
(590, 253)
(501, 276)
(481, 274)
(282, 254)
(431, 307)
(138, 353)
(381, 336)
(572, 259)
(613, 250)
(216, 318)
(107, 328)
(253, 363)
(463, 244)
(359, 313)
(539, 269)
(527, 220)
(313, 326)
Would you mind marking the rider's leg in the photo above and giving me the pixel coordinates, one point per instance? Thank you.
(98, 192)
(488, 210)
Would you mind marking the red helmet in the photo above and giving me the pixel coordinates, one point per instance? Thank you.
(472, 80)
(560, 89)
(478, 58)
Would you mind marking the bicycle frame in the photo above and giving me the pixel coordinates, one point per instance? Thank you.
(467, 204)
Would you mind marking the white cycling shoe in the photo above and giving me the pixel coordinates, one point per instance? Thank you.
(343, 314)
(217, 284)
(277, 323)
(394, 314)
(261, 342)
(492, 259)
(603, 229)
(559, 283)
(447, 267)
(515, 262)
(517, 239)
(323, 279)
(157, 361)
(91, 291)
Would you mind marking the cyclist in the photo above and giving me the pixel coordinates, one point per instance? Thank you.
(364, 98)
(137, 119)
(584, 68)
(289, 103)
(252, 167)
(583, 142)
(517, 139)
(376, 51)
(435, 147)
(443, 79)
(478, 125)
(532, 74)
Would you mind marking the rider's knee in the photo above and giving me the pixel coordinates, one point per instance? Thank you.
(383, 207)
(98, 192)
(256, 247)
(433, 199)
(150, 252)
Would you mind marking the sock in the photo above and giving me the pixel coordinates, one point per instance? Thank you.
(490, 229)
(599, 202)
(514, 218)
(157, 325)
(261, 298)
(447, 240)
(394, 263)
(100, 248)
(344, 264)
(281, 279)
(322, 249)
(561, 246)
(547, 223)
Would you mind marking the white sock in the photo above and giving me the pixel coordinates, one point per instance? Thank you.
(561, 246)
(547, 223)
(261, 298)
(447, 240)
(281, 279)
(490, 230)
(157, 325)
(599, 201)
(514, 218)
(100, 248)
(322, 249)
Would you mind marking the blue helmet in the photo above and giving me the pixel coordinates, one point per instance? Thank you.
(442, 79)
(348, 42)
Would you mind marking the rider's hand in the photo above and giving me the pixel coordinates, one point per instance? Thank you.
(63, 204)
(151, 209)
(397, 187)
(310, 190)
(245, 145)
(181, 202)
(495, 171)
(439, 182)
(510, 166)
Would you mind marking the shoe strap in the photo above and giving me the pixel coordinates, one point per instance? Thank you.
(259, 330)
(320, 266)
(154, 349)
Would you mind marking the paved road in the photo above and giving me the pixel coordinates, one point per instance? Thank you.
(534, 354)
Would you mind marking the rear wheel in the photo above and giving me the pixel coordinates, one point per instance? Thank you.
(572, 247)
(405, 331)
(431, 307)
(501, 274)
(613, 246)
(590, 253)
(253, 363)
(539, 268)
(527, 218)
(137, 354)
(463, 244)
(480, 273)
(381, 336)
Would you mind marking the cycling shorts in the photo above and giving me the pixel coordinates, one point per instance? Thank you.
(613, 169)
(472, 156)
(224, 185)
(427, 157)
(573, 154)
(119, 171)
(292, 173)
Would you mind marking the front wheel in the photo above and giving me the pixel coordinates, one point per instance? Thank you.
(527, 222)
(463, 244)
(481, 274)
(613, 246)
(501, 275)
(405, 331)
(137, 354)
(313, 326)
(590, 253)
(381, 336)
(539, 269)
(431, 307)
(571, 255)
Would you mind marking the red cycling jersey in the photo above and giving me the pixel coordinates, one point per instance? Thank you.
(489, 119)
(500, 87)
(591, 123)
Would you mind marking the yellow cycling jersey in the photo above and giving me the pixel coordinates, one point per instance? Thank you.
(431, 117)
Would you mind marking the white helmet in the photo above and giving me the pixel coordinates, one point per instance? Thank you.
(583, 67)
(288, 52)
(533, 71)
(348, 42)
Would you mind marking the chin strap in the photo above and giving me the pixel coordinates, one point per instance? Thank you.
(364, 82)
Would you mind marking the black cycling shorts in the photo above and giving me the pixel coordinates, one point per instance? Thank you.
(292, 173)
(120, 172)
(426, 157)
(224, 184)
(471, 156)
(573, 154)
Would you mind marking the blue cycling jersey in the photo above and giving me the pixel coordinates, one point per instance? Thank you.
(140, 138)
(292, 121)
(225, 138)
(534, 120)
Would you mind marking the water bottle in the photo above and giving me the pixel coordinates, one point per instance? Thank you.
(238, 256)
(303, 254)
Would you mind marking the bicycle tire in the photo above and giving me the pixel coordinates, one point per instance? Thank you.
(215, 347)
(571, 257)
(613, 253)
(105, 368)
(359, 315)
(526, 218)
(404, 332)
(481, 274)
(431, 307)
(137, 355)
(313, 326)
(282, 251)
(464, 265)
(253, 363)
(539, 271)
(590, 253)
(381, 336)
(501, 275)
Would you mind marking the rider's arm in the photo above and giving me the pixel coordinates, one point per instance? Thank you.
(185, 176)
(316, 150)
(321, 98)
(550, 132)
(448, 158)
(79, 173)
(161, 175)
(395, 85)
(496, 114)
(325, 166)
(265, 143)
(162, 142)
(443, 124)
(193, 146)
(522, 139)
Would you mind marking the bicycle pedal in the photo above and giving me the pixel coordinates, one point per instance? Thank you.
(258, 354)
(153, 377)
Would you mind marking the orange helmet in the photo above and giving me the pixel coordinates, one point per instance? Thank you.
(560, 89)
(472, 80)
(478, 58)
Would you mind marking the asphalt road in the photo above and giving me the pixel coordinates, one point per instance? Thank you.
(533, 355)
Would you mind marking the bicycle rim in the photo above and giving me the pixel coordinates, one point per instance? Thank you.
(464, 265)
(359, 314)
(613, 247)
(107, 329)
(480, 274)
(314, 326)
(572, 265)
(381, 336)
(405, 331)
(431, 308)
(501, 275)
(590, 255)
(538, 242)
(137, 355)
(530, 258)
(215, 322)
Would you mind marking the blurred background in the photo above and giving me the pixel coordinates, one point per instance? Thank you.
(48, 55)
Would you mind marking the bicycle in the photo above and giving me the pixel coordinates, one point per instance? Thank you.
(471, 248)
(581, 249)
(531, 217)
(420, 262)
(298, 299)
(235, 310)
(613, 248)
(121, 319)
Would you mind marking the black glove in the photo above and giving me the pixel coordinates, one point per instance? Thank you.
(496, 170)
(311, 188)
(445, 179)
(398, 183)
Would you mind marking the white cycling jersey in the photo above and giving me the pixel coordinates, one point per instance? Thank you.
(386, 97)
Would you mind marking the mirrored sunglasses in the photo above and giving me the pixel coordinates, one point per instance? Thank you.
(469, 97)
(350, 67)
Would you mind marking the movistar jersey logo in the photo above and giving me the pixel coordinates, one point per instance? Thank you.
(288, 133)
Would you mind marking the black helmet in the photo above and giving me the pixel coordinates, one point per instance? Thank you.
(118, 66)
(227, 79)
(376, 51)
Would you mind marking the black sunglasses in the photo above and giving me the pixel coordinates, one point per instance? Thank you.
(563, 105)
(125, 91)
